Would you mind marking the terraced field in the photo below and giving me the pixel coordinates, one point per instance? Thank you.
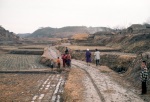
(19, 62)
(24, 79)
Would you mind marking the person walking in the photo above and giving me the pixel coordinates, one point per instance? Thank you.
(144, 77)
(97, 57)
(88, 57)
(58, 62)
(64, 58)
(66, 51)
(68, 60)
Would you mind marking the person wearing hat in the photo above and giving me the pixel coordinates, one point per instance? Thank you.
(88, 57)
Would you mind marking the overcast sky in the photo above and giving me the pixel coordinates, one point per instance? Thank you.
(25, 16)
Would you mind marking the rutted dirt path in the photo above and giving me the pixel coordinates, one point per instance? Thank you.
(101, 87)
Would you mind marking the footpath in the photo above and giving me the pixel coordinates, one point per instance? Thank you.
(101, 87)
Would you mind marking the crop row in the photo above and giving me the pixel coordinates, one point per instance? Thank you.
(19, 62)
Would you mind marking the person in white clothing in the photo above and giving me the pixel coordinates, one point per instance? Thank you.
(97, 57)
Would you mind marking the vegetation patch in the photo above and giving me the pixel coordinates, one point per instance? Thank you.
(73, 91)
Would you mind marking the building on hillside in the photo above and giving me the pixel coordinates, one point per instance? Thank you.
(147, 28)
(136, 29)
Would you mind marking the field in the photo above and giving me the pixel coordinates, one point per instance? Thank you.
(29, 87)
(19, 62)
(24, 79)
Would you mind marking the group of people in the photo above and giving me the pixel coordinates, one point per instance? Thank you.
(143, 73)
(88, 57)
(66, 59)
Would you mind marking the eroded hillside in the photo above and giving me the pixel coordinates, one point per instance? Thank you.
(8, 37)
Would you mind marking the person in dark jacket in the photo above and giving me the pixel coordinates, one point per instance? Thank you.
(66, 51)
(88, 57)
(69, 60)
(144, 77)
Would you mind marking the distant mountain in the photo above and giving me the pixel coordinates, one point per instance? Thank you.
(7, 37)
(63, 32)
(22, 35)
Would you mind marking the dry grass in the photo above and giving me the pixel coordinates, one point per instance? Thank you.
(104, 69)
(8, 48)
(80, 36)
(126, 57)
(73, 91)
(74, 47)
(134, 45)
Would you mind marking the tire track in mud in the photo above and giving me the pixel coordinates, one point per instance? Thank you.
(93, 83)
(95, 86)
(107, 89)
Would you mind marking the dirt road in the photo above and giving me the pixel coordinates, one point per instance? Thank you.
(100, 87)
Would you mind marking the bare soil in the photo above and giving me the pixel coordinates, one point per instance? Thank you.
(108, 85)
(20, 87)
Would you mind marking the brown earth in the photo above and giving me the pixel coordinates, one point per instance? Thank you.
(80, 36)
(19, 87)
(73, 91)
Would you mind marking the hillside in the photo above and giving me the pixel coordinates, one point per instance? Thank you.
(65, 32)
(132, 43)
(80, 36)
(7, 37)
(134, 39)
(23, 35)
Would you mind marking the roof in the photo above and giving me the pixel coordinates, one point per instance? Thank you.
(147, 25)
(137, 27)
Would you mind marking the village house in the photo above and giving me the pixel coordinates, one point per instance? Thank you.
(139, 28)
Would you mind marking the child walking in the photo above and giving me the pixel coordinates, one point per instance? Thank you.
(58, 62)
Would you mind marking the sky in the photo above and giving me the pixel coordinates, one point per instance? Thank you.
(26, 16)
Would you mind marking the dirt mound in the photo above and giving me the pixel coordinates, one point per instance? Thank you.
(49, 56)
